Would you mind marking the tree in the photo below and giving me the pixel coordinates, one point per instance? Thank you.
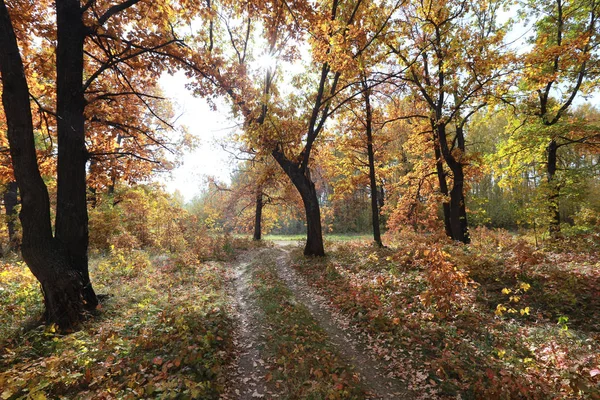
(59, 260)
(287, 125)
(342, 35)
(358, 155)
(454, 54)
(62, 283)
(563, 63)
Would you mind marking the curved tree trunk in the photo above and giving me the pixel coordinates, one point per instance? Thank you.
(459, 229)
(45, 256)
(306, 188)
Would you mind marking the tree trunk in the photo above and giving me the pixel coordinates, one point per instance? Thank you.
(441, 175)
(553, 190)
(92, 192)
(10, 202)
(458, 215)
(93, 198)
(306, 188)
(258, 216)
(372, 178)
(45, 256)
(71, 227)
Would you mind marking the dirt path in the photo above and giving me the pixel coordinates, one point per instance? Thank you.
(345, 341)
(248, 372)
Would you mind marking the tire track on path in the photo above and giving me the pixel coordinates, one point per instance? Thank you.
(350, 348)
(247, 377)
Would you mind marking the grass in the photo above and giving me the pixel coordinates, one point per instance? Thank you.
(163, 332)
(303, 364)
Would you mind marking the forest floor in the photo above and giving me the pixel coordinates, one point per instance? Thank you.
(423, 318)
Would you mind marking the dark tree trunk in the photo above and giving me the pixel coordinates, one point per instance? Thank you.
(93, 198)
(458, 215)
(372, 178)
(44, 255)
(71, 227)
(553, 189)
(10, 202)
(93, 193)
(441, 175)
(381, 197)
(306, 188)
(258, 216)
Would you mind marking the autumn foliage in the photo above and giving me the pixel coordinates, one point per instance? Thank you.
(467, 147)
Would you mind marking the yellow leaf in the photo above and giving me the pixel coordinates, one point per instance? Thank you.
(499, 309)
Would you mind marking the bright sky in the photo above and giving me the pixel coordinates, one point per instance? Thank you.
(208, 159)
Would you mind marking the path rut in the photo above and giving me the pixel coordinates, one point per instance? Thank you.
(350, 347)
(248, 372)
(247, 375)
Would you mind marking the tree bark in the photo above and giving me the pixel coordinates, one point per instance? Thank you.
(554, 189)
(457, 209)
(92, 192)
(258, 216)
(45, 256)
(371, 156)
(441, 175)
(71, 227)
(305, 186)
(458, 215)
(10, 202)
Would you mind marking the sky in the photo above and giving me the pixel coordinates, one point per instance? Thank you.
(210, 126)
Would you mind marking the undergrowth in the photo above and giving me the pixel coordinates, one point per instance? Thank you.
(163, 331)
(497, 319)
